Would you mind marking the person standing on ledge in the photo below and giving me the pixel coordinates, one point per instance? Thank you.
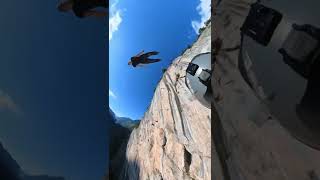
(84, 8)
(143, 58)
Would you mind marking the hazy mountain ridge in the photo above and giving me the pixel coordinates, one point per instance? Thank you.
(127, 122)
(124, 121)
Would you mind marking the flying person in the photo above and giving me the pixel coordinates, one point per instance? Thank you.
(84, 8)
(143, 58)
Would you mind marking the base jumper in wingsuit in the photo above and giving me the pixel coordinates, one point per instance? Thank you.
(143, 58)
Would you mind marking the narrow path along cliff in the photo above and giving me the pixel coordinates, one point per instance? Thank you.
(173, 140)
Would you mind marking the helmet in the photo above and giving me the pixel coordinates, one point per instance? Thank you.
(198, 78)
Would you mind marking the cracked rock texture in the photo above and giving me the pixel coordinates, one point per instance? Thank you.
(173, 140)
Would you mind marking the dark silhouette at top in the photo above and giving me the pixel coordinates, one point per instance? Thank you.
(84, 8)
(143, 58)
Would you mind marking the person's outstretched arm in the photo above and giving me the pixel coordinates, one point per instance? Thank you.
(140, 53)
(95, 13)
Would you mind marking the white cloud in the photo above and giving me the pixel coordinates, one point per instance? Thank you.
(117, 113)
(112, 94)
(204, 11)
(114, 20)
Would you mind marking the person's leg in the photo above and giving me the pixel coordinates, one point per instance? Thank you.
(152, 61)
(151, 53)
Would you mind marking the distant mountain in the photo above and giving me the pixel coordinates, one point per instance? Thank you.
(127, 122)
(11, 170)
(124, 121)
(113, 115)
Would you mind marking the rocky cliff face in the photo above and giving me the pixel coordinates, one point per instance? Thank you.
(173, 140)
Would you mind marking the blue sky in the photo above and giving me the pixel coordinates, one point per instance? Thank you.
(53, 90)
(167, 26)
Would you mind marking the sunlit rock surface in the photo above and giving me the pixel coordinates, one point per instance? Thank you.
(173, 140)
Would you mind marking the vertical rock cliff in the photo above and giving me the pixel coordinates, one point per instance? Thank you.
(173, 140)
